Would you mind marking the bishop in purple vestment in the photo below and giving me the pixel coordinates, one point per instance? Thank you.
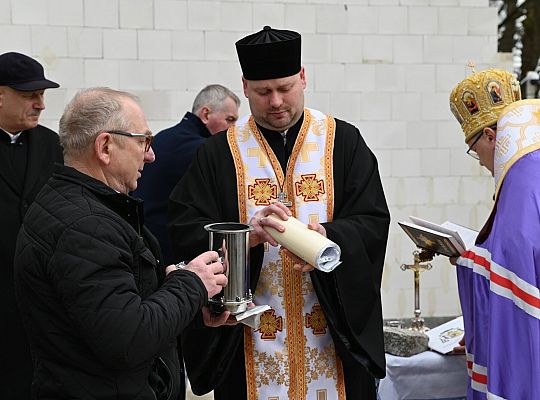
(499, 278)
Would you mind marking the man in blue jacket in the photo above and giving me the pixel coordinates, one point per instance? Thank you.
(215, 109)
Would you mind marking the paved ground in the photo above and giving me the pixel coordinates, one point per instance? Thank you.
(191, 396)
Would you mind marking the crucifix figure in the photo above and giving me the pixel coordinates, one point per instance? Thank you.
(420, 265)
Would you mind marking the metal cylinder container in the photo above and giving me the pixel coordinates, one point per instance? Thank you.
(231, 241)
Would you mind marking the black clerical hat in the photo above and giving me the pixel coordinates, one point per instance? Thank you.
(21, 72)
(269, 54)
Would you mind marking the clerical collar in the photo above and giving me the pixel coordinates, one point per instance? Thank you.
(12, 137)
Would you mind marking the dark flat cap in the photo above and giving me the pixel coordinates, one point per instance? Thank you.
(270, 54)
(21, 72)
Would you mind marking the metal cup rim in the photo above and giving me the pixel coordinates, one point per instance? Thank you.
(228, 227)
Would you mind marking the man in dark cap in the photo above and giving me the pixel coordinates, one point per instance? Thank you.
(322, 337)
(27, 154)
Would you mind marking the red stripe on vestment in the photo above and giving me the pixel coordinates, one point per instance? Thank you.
(480, 378)
(501, 280)
(477, 259)
(516, 290)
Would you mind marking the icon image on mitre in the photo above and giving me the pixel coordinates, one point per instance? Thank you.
(470, 102)
(494, 89)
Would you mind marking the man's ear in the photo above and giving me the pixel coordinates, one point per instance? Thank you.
(244, 86)
(203, 114)
(103, 146)
(490, 134)
(303, 77)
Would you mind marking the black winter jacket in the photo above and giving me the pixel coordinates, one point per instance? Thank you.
(101, 317)
(16, 194)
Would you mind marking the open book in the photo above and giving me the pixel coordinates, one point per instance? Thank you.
(448, 239)
(445, 337)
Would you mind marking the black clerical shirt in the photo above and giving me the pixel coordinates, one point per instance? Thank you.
(15, 154)
(276, 142)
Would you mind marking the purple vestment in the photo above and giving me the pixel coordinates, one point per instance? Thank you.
(498, 283)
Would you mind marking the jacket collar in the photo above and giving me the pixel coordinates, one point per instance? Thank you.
(129, 208)
(197, 124)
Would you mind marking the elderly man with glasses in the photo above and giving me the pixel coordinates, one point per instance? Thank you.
(102, 313)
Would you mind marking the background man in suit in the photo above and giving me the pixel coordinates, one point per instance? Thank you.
(215, 109)
(27, 154)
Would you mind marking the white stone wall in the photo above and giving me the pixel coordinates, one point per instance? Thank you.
(385, 65)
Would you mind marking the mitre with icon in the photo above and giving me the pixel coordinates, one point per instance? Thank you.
(478, 100)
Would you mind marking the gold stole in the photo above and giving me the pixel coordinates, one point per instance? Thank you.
(291, 355)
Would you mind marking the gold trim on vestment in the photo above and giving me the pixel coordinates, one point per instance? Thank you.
(295, 329)
(293, 281)
(329, 163)
(341, 379)
(511, 161)
(249, 346)
(515, 108)
(240, 174)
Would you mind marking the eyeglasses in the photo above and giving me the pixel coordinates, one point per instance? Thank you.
(470, 151)
(147, 137)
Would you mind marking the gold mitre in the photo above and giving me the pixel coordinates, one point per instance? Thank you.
(477, 101)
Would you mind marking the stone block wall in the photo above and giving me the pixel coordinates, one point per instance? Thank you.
(385, 65)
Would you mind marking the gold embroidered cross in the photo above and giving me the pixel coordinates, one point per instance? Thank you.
(306, 148)
(310, 187)
(270, 325)
(259, 153)
(316, 320)
(262, 191)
